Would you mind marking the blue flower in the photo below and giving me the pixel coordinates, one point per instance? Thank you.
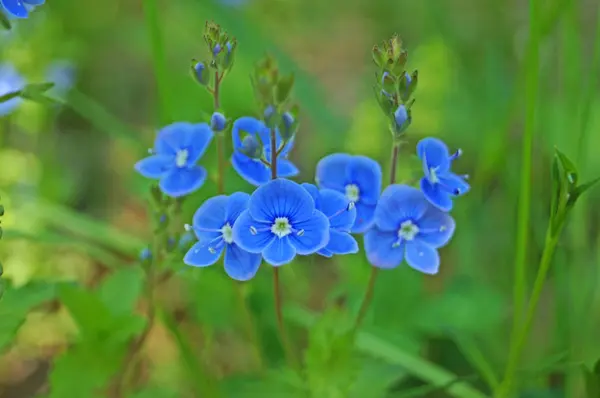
(177, 149)
(401, 116)
(10, 81)
(342, 214)
(19, 8)
(254, 170)
(439, 184)
(145, 254)
(407, 227)
(213, 224)
(359, 178)
(281, 221)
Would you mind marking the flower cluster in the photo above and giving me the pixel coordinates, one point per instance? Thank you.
(282, 219)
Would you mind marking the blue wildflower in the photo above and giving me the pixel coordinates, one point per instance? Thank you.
(359, 178)
(217, 122)
(254, 170)
(177, 149)
(439, 184)
(10, 81)
(341, 213)
(145, 254)
(281, 221)
(212, 224)
(407, 227)
(19, 8)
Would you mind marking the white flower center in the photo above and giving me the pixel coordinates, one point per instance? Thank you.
(408, 230)
(281, 227)
(433, 175)
(352, 192)
(227, 233)
(181, 157)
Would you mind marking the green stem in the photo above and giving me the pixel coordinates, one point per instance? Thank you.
(158, 58)
(523, 217)
(517, 348)
(366, 303)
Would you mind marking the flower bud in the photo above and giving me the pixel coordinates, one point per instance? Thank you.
(201, 73)
(217, 122)
(251, 147)
(289, 126)
(401, 116)
(216, 49)
(145, 254)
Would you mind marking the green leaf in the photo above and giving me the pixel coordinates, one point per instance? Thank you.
(155, 392)
(284, 87)
(212, 283)
(5, 22)
(85, 370)
(592, 380)
(9, 96)
(17, 303)
(372, 344)
(376, 378)
(584, 187)
(121, 290)
(331, 367)
(274, 383)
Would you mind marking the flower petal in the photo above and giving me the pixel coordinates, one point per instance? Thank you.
(279, 252)
(15, 8)
(248, 125)
(199, 137)
(243, 236)
(435, 153)
(336, 207)
(399, 203)
(171, 138)
(286, 168)
(34, 2)
(366, 173)
(250, 170)
(365, 218)
(314, 192)
(281, 198)
(422, 257)
(182, 181)
(454, 183)
(236, 204)
(155, 166)
(331, 171)
(325, 253)
(315, 234)
(211, 214)
(239, 264)
(199, 255)
(341, 243)
(381, 253)
(436, 227)
(436, 195)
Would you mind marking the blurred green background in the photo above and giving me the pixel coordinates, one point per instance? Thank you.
(75, 208)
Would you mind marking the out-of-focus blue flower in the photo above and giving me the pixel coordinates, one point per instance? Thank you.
(440, 185)
(10, 81)
(407, 227)
(145, 254)
(357, 177)
(341, 213)
(253, 170)
(19, 8)
(62, 74)
(217, 122)
(177, 149)
(213, 225)
(281, 221)
(233, 3)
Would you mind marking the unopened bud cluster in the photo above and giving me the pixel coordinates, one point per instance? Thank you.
(395, 85)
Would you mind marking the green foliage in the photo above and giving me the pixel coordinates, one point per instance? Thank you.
(592, 380)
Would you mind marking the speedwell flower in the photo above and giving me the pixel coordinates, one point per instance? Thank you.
(10, 81)
(440, 185)
(407, 227)
(281, 221)
(177, 149)
(213, 226)
(19, 8)
(341, 213)
(359, 178)
(254, 170)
